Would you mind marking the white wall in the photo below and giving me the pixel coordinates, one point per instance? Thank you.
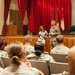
(14, 6)
(73, 12)
(1, 15)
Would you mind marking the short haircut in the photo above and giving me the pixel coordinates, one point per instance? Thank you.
(39, 47)
(27, 38)
(60, 38)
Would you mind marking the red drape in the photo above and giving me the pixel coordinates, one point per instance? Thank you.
(40, 13)
(6, 10)
(22, 5)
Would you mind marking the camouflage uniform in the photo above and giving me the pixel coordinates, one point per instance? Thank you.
(60, 49)
(54, 29)
(21, 70)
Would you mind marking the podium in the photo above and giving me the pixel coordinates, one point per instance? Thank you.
(11, 30)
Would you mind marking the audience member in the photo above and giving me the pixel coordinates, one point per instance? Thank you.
(3, 53)
(42, 34)
(19, 63)
(60, 48)
(54, 31)
(3, 39)
(28, 48)
(71, 61)
(39, 53)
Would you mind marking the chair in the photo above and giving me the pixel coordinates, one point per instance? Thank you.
(59, 57)
(1, 63)
(6, 61)
(57, 67)
(41, 65)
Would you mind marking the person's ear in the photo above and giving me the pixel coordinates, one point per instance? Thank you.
(24, 53)
(67, 59)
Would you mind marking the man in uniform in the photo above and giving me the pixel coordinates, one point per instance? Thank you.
(54, 31)
(60, 48)
(28, 48)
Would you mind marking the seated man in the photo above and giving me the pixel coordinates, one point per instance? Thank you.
(71, 61)
(39, 53)
(28, 48)
(60, 48)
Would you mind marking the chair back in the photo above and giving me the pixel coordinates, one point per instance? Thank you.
(41, 65)
(1, 63)
(57, 67)
(6, 61)
(59, 57)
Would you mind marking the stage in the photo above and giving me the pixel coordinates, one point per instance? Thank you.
(69, 41)
(10, 39)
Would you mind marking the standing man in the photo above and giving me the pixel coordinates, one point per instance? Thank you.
(54, 31)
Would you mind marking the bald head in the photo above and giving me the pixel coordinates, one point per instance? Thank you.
(71, 60)
(71, 56)
(60, 39)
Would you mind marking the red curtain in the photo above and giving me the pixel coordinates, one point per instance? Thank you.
(6, 10)
(40, 13)
(22, 5)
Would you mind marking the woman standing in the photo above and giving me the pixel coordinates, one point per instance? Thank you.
(42, 34)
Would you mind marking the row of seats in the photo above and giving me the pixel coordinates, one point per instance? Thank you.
(50, 67)
(59, 57)
(46, 67)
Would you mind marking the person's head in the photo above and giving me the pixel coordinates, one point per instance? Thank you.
(28, 38)
(53, 22)
(16, 52)
(39, 48)
(2, 45)
(71, 60)
(3, 39)
(41, 28)
(60, 39)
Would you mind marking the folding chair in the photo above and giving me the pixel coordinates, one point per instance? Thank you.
(59, 57)
(41, 65)
(57, 67)
(6, 61)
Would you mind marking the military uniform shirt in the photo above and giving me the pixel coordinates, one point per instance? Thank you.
(60, 49)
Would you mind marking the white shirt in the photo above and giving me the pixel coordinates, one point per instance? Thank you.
(42, 34)
(29, 48)
(60, 49)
